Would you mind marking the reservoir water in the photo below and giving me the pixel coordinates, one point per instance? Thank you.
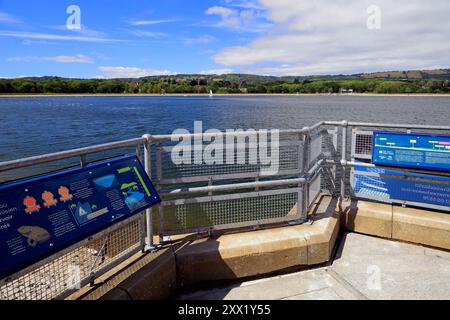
(38, 125)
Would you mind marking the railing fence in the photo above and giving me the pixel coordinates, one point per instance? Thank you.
(198, 197)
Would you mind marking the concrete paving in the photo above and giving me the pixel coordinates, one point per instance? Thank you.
(364, 268)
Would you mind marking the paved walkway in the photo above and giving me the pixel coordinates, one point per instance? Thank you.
(365, 268)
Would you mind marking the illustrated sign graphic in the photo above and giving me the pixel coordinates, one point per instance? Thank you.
(44, 215)
(381, 184)
(414, 151)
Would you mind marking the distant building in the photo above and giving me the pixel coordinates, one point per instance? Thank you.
(346, 91)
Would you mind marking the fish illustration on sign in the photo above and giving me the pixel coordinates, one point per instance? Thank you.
(34, 234)
(49, 199)
(31, 205)
(64, 192)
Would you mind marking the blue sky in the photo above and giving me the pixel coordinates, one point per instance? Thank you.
(280, 37)
(174, 36)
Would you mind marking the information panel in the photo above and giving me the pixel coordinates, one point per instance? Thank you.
(381, 184)
(414, 151)
(44, 215)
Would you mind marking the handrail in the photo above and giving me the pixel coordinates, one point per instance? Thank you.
(239, 186)
(50, 157)
(168, 137)
(27, 162)
(386, 125)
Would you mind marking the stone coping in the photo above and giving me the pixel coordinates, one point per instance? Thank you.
(424, 227)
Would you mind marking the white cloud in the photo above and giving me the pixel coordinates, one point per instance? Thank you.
(46, 36)
(322, 37)
(131, 72)
(245, 4)
(79, 58)
(83, 31)
(222, 11)
(244, 17)
(150, 22)
(216, 71)
(8, 19)
(199, 40)
(149, 34)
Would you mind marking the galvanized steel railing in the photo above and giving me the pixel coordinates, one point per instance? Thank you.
(315, 161)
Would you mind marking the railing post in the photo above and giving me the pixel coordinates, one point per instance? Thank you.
(148, 213)
(83, 160)
(344, 126)
(158, 188)
(304, 174)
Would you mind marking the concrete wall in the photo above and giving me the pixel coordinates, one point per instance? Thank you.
(424, 227)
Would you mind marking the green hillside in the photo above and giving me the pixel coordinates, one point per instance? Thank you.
(419, 81)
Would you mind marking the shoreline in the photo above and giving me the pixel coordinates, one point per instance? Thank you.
(227, 95)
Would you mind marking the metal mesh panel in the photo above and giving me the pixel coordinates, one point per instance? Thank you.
(246, 161)
(330, 144)
(362, 145)
(324, 145)
(330, 152)
(65, 272)
(315, 188)
(316, 149)
(231, 211)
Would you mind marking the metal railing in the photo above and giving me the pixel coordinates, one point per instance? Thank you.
(60, 274)
(356, 152)
(202, 198)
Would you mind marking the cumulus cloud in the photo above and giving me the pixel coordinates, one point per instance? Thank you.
(216, 72)
(131, 72)
(79, 58)
(242, 17)
(221, 11)
(322, 37)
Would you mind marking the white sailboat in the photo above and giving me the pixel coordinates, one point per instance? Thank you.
(211, 94)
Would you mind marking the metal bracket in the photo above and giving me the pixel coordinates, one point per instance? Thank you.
(151, 248)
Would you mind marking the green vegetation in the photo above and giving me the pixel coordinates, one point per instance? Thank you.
(199, 84)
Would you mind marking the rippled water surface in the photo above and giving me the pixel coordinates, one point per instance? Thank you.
(32, 126)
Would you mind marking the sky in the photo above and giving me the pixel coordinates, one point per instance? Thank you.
(136, 38)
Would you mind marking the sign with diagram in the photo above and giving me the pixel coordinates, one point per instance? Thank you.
(414, 151)
(47, 214)
(390, 185)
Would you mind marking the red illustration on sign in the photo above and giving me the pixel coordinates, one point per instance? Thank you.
(49, 199)
(31, 205)
(64, 192)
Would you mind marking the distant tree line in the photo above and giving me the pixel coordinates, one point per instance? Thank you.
(203, 85)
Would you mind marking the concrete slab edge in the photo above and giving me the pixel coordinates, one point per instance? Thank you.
(418, 226)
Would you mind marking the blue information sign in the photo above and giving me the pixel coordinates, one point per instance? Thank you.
(414, 151)
(47, 214)
(379, 184)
